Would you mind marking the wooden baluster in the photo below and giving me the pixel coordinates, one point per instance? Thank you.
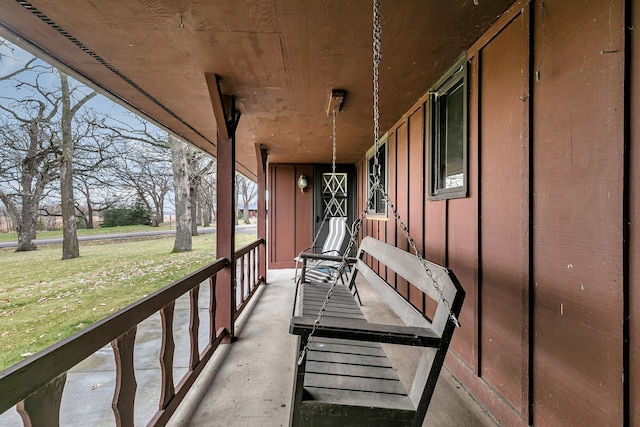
(212, 309)
(42, 408)
(194, 324)
(242, 286)
(257, 265)
(254, 267)
(166, 355)
(259, 277)
(252, 260)
(125, 392)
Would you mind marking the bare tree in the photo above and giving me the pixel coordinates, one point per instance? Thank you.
(144, 163)
(70, 246)
(29, 151)
(247, 190)
(147, 170)
(96, 194)
(207, 195)
(93, 167)
(179, 156)
(200, 165)
(6, 223)
(187, 163)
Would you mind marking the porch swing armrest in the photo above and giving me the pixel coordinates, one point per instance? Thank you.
(360, 330)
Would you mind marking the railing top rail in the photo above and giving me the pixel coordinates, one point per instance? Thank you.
(20, 380)
(248, 248)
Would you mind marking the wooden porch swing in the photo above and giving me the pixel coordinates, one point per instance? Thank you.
(343, 376)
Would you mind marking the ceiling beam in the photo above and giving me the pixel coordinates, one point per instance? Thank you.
(224, 109)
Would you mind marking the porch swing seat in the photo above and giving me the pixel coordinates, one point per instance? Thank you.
(346, 378)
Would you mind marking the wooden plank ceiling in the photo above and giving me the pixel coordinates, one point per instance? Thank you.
(280, 58)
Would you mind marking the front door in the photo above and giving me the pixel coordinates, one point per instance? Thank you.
(340, 187)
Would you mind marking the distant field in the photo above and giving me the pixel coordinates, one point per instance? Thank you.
(44, 299)
(12, 237)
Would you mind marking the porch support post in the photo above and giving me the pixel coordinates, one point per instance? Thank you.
(226, 234)
(226, 121)
(261, 153)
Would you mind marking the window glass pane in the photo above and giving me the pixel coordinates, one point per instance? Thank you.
(376, 204)
(448, 136)
(454, 138)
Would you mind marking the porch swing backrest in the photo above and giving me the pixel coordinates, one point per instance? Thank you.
(409, 267)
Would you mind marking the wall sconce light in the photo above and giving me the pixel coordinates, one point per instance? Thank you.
(302, 183)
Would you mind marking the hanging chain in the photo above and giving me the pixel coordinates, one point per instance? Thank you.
(377, 186)
(355, 229)
(377, 57)
(333, 200)
(416, 252)
(333, 159)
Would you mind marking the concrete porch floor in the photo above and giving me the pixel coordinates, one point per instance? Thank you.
(249, 382)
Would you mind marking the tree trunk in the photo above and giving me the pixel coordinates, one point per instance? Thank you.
(70, 246)
(160, 210)
(194, 182)
(89, 220)
(26, 225)
(193, 191)
(32, 181)
(158, 217)
(246, 214)
(206, 214)
(183, 239)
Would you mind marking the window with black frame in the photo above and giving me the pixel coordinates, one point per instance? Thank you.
(377, 205)
(448, 135)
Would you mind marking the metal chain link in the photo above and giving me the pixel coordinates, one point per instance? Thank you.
(355, 229)
(377, 57)
(416, 252)
(333, 192)
(333, 159)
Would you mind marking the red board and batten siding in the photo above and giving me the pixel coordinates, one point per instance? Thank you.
(417, 192)
(504, 212)
(578, 203)
(391, 189)
(540, 252)
(634, 216)
(402, 195)
(290, 213)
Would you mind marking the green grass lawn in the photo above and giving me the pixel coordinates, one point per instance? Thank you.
(44, 299)
(12, 237)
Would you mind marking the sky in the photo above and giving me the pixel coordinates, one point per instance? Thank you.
(12, 58)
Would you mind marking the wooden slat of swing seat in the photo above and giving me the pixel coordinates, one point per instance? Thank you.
(364, 408)
(342, 371)
(341, 304)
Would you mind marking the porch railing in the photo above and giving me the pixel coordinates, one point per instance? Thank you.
(37, 383)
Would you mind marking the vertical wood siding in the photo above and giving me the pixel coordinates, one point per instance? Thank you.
(402, 195)
(634, 216)
(392, 151)
(538, 244)
(577, 239)
(504, 212)
(290, 213)
(416, 193)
